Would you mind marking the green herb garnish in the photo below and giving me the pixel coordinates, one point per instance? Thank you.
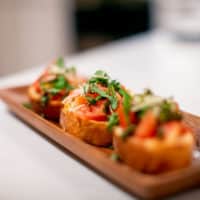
(71, 70)
(127, 102)
(44, 100)
(129, 130)
(113, 120)
(100, 77)
(91, 100)
(167, 113)
(147, 91)
(142, 111)
(113, 98)
(61, 83)
(60, 62)
(113, 90)
(27, 105)
(114, 157)
(53, 91)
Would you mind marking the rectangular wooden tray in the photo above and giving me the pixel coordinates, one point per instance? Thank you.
(142, 185)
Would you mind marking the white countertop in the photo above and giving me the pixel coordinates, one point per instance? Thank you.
(33, 168)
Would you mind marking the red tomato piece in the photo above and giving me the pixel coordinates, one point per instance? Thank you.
(37, 87)
(93, 112)
(147, 126)
(121, 115)
(174, 126)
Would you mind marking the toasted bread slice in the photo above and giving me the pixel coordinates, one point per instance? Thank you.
(154, 155)
(50, 111)
(91, 131)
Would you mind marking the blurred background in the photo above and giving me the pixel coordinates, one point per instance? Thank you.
(35, 31)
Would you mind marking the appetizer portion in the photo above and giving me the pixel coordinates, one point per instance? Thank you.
(155, 140)
(90, 112)
(48, 91)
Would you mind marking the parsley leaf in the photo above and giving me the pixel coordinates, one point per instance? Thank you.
(167, 114)
(60, 62)
(127, 102)
(86, 88)
(102, 93)
(61, 83)
(91, 100)
(71, 70)
(27, 105)
(129, 130)
(113, 97)
(114, 157)
(100, 77)
(53, 91)
(113, 120)
(101, 73)
(44, 100)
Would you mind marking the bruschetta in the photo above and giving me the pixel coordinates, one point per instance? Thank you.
(90, 111)
(48, 91)
(156, 140)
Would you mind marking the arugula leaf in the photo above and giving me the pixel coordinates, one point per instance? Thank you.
(115, 84)
(53, 91)
(100, 77)
(142, 111)
(127, 102)
(129, 130)
(44, 100)
(102, 93)
(167, 114)
(60, 62)
(113, 120)
(114, 102)
(27, 105)
(114, 157)
(113, 97)
(147, 91)
(61, 83)
(86, 88)
(91, 100)
(71, 70)
(101, 73)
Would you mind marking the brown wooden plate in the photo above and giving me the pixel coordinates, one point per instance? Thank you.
(142, 185)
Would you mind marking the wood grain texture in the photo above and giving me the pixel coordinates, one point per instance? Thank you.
(142, 185)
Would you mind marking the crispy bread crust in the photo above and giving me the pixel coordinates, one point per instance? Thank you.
(154, 155)
(50, 111)
(92, 132)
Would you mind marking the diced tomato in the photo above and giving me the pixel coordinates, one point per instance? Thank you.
(59, 96)
(93, 112)
(132, 117)
(147, 126)
(37, 87)
(174, 126)
(81, 100)
(122, 116)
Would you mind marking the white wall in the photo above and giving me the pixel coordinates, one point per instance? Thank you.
(33, 32)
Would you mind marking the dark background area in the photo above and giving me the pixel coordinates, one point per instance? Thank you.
(101, 21)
